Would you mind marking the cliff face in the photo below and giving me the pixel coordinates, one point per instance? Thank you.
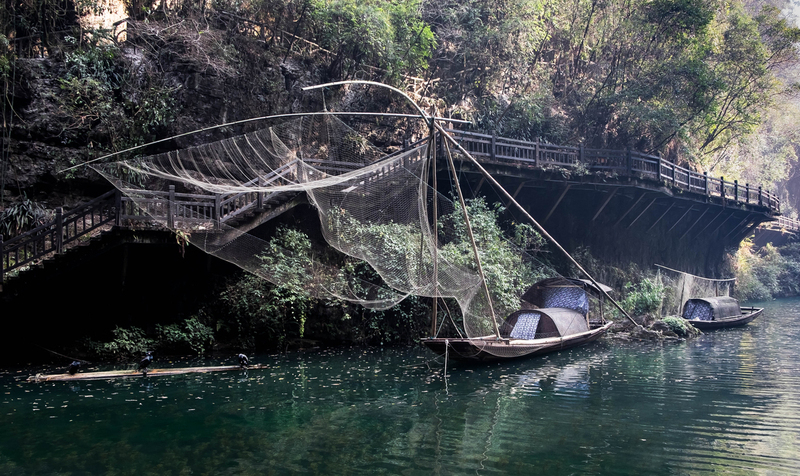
(156, 85)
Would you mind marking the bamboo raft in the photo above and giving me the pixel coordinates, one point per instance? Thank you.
(112, 374)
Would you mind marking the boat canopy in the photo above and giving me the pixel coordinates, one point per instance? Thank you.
(562, 292)
(542, 323)
(711, 308)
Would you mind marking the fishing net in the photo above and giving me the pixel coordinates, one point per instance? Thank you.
(679, 287)
(371, 206)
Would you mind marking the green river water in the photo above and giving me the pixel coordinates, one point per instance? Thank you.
(726, 402)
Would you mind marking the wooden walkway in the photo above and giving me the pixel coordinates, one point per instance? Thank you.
(621, 163)
(184, 210)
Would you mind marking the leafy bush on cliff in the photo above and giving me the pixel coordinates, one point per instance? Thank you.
(386, 35)
(128, 343)
(767, 273)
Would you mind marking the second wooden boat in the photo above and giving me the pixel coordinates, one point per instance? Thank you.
(718, 312)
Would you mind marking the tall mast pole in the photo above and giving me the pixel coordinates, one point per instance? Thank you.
(435, 310)
(472, 240)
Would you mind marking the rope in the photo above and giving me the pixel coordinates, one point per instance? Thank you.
(62, 355)
(725, 280)
(446, 357)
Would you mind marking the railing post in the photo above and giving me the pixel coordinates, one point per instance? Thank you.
(581, 157)
(59, 244)
(260, 195)
(629, 159)
(736, 190)
(171, 208)
(760, 195)
(746, 192)
(722, 187)
(493, 152)
(118, 208)
(705, 178)
(217, 211)
(658, 169)
(536, 155)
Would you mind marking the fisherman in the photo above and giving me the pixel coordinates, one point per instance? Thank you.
(243, 361)
(73, 367)
(146, 361)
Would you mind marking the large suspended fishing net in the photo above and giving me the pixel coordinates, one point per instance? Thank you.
(679, 287)
(371, 206)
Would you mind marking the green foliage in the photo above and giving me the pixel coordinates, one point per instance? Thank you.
(99, 92)
(643, 297)
(132, 342)
(507, 273)
(192, 336)
(688, 78)
(6, 57)
(677, 325)
(127, 343)
(20, 217)
(259, 314)
(767, 273)
(91, 84)
(390, 36)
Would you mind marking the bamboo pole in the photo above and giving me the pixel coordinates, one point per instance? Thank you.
(472, 241)
(255, 119)
(435, 310)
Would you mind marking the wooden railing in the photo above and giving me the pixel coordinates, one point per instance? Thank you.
(173, 209)
(621, 162)
(783, 223)
(53, 237)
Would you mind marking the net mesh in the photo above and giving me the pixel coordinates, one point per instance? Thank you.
(372, 207)
(679, 287)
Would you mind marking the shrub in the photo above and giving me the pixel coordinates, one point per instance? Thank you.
(127, 343)
(21, 217)
(677, 325)
(192, 336)
(644, 297)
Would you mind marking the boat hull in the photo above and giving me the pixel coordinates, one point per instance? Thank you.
(748, 314)
(486, 349)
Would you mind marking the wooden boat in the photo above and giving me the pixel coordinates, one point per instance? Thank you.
(489, 348)
(718, 312)
(112, 374)
(556, 318)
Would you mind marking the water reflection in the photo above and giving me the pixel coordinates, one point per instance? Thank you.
(726, 402)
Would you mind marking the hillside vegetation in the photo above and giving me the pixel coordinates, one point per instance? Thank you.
(703, 82)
